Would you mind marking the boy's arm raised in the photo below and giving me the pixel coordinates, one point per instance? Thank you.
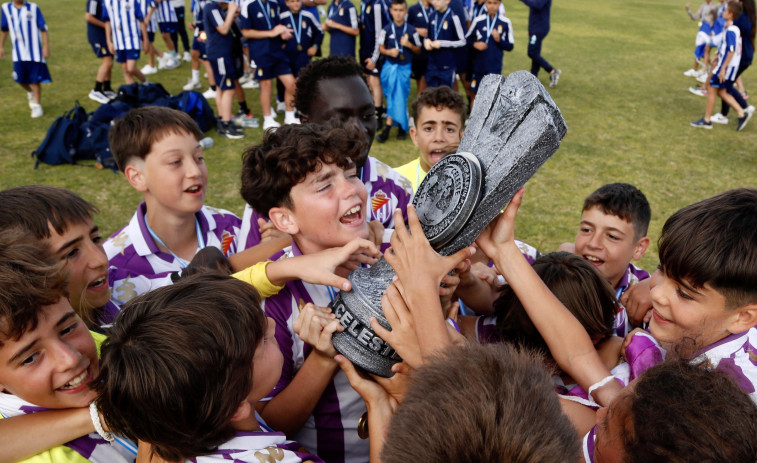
(566, 338)
(27, 435)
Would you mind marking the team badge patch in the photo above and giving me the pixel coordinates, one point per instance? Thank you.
(444, 26)
(380, 206)
(226, 240)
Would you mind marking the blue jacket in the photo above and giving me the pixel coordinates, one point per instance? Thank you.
(538, 18)
(747, 47)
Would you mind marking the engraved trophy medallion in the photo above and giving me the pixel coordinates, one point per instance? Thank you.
(448, 196)
(513, 129)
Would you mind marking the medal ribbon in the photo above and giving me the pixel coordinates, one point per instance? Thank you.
(396, 39)
(265, 14)
(490, 27)
(297, 33)
(200, 241)
(440, 23)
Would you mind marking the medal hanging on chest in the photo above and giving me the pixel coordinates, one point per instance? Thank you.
(297, 32)
(397, 41)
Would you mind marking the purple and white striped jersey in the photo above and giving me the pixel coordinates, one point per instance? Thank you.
(137, 265)
(124, 17)
(164, 11)
(736, 357)
(256, 447)
(731, 44)
(25, 26)
(331, 431)
(387, 190)
(633, 275)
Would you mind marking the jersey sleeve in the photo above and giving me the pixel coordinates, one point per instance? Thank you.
(506, 39)
(41, 20)
(353, 15)
(459, 33)
(3, 21)
(730, 41)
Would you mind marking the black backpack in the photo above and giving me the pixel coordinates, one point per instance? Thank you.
(62, 139)
(198, 108)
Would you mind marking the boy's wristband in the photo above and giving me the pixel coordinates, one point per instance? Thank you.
(257, 277)
(94, 415)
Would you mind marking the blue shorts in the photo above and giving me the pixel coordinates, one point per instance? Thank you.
(200, 47)
(100, 49)
(278, 68)
(168, 28)
(376, 70)
(151, 37)
(31, 72)
(224, 72)
(716, 83)
(123, 56)
(440, 78)
(475, 81)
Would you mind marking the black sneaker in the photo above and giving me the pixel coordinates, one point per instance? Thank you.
(743, 120)
(702, 124)
(401, 134)
(229, 130)
(383, 135)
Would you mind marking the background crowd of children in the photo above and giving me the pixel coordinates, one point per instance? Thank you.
(252, 43)
(728, 28)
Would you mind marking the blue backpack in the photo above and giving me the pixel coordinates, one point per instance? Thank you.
(62, 139)
(198, 108)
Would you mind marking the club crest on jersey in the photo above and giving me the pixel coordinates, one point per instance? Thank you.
(341, 11)
(444, 25)
(380, 206)
(226, 240)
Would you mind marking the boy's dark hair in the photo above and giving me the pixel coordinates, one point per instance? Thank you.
(133, 135)
(288, 154)
(481, 403)
(735, 8)
(715, 242)
(583, 291)
(625, 201)
(177, 364)
(683, 412)
(439, 98)
(331, 67)
(30, 279)
(399, 2)
(35, 208)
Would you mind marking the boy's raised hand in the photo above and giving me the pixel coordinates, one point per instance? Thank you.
(315, 326)
(501, 232)
(418, 266)
(329, 267)
(402, 336)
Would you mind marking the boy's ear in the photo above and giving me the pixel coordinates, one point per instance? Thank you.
(136, 177)
(413, 135)
(243, 411)
(745, 318)
(640, 248)
(284, 220)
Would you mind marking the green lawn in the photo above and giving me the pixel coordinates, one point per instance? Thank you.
(622, 94)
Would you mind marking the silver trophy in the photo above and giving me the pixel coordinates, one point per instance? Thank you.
(513, 129)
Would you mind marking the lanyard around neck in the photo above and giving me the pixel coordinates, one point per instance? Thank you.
(297, 32)
(266, 14)
(396, 39)
(440, 23)
(200, 241)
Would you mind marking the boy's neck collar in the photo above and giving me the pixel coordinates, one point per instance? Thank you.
(399, 24)
(176, 231)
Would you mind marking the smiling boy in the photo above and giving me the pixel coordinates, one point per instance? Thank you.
(306, 181)
(159, 152)
(612, 232)
(439, 113)
(63, 221)
(47, 360)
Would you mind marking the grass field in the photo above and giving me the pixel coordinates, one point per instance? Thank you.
(622, 94)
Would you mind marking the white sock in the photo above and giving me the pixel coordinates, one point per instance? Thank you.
(30, 96)
(269, 118)
(288, 116)
(195, 75)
